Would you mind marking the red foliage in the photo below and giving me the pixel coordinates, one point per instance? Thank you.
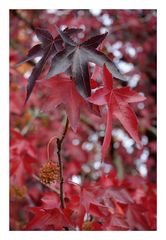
(117, 101)
(118, 193)
(63, 91)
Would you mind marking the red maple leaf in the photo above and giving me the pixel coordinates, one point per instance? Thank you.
(22, 157)
(117, 100)
(61, 90)
(49, 219)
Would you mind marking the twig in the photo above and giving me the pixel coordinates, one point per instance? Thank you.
(19, 16)
(59, 142)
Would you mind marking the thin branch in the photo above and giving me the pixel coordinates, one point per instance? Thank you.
(59, 142)
(19, 16)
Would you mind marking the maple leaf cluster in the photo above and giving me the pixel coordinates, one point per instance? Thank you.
(74, 59)
(64, 73)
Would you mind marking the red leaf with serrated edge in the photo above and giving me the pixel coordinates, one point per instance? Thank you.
(86, 198)
(50, 200)
(117, 101)
(22, 157)
(63, 91)
(120, 195)
(98, 210)
(55, 219)
(136, 217)
(118, 222)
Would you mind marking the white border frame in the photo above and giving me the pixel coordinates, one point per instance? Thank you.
(4, 117)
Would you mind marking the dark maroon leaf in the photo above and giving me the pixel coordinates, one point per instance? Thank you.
(94, 41)
(70, 31)
(35, 51)
(44, 37)
(100, 59)
(49, 46)
(36, 72)
(80, 73)
(76, 57)
(65, 37)
(61, 61)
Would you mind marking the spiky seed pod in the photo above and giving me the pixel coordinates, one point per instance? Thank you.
(49, 172)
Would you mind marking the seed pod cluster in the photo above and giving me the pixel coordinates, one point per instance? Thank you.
(49, 172)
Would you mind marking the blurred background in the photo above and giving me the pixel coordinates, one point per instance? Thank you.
(131, 44)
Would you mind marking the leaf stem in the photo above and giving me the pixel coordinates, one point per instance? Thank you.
(59, 142)
(17, 14)
(48, 147)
